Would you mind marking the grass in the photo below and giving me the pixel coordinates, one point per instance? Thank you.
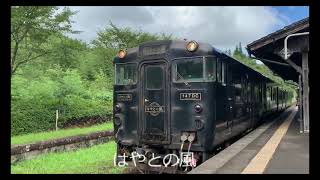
(35, 137)
(98, 159)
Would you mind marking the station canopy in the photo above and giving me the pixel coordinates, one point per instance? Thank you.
(270, 49)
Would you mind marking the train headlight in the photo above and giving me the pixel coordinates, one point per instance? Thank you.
(117, 108)
(122, 53)
(117, 121)
(192, 46)
(198, 108)
(199, 124)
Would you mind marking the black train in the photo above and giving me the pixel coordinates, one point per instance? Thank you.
(173, 96)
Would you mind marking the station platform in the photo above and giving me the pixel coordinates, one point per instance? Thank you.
(275, 147)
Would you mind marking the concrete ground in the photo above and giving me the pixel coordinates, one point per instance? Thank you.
(290, 157)
(292, 154)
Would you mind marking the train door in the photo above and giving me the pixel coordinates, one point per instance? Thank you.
(154, 105)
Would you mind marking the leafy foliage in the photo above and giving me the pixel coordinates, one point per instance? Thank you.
(30, 28)
(34, 103)
(117, 38)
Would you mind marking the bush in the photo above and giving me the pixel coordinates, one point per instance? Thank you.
(30, 116)
(77, 107)
(34, 103)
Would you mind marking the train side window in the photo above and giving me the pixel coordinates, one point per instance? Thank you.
(244, 83)
(257, 92)
(261, 93)
(229, 74)
(238, 88)
(210, 68)
(223, 73)
(249, 92)
(219, 70)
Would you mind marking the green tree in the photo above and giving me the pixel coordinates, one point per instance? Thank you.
(240, 48)
(65, 51)
(106, 45)
(116, 38)
(236, 51)
(30, 28)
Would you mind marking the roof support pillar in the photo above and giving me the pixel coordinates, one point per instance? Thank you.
(300, 104)
(305, 83)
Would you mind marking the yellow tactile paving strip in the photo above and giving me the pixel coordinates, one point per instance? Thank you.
(258, 164)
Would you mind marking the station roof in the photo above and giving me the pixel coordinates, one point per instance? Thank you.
(270, 48)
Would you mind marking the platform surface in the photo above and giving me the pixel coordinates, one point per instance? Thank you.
(290, 156)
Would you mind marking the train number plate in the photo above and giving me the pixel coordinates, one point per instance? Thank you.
(190, 96)
(124, 97)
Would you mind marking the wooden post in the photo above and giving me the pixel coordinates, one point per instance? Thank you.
(300, 104)
(305, 82)
(57, 117)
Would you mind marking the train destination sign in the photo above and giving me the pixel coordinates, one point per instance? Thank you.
(190, 96)
(124, 97)
(154, 109)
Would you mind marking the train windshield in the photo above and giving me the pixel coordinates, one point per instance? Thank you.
(126, 74)
(198, 69)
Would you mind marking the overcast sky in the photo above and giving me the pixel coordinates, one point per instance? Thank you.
(223, 27)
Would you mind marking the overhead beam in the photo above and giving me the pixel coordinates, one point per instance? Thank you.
(270, 61)
(296, 67)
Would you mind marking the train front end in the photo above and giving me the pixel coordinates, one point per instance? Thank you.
(164, 103)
